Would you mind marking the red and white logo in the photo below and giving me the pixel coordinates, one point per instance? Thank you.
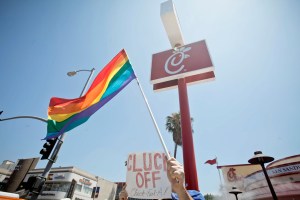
(191, 61)
(174, 64)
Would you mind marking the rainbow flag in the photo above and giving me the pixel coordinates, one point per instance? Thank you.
(66, 114)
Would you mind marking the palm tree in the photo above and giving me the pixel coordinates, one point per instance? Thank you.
(173, 125)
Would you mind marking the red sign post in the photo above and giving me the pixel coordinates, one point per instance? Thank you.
(178, 67)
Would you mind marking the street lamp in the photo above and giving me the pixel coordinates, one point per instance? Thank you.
(261, 159)
(73, 73)
(59, 144)
(41, 179)
(235, 191)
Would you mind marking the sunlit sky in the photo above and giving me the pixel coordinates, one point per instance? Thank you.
(252, 105)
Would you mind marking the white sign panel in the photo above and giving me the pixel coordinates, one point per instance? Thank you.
(146, 176)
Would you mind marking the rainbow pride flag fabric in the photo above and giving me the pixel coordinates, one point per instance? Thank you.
(66, 114)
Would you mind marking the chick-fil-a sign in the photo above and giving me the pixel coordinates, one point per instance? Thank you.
(191, 61)
(146, 176)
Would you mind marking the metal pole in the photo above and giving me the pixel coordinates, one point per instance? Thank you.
(37, 188)
(221, 182)
(26, 116)
(219, 173)
(191, 178)
(87, 82)
(154, 122)
(269, 182)
(236, 197)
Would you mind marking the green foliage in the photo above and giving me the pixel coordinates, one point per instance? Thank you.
(173, 126)
(209, 197)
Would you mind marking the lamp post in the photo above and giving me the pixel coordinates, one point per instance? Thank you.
(235, 191)
(261, 159)
(53, 158)
(73, 73)
(41, 179)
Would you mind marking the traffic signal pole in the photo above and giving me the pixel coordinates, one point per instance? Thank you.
(37, 187)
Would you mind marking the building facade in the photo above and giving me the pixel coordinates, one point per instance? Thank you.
(284, 175)
(6, 169)
(73, 183)
(285, 178)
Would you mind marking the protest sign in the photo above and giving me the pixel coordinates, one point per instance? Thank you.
(146, 176)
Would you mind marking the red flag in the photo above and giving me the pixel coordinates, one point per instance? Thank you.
(211, 162)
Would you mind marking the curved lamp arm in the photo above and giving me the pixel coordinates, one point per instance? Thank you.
(22, 117)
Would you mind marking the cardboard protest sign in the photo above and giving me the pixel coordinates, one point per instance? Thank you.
(146, 176)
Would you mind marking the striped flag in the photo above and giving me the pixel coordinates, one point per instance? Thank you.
(66, 114)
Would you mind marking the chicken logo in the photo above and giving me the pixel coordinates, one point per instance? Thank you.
(174, 64)
(231, 175)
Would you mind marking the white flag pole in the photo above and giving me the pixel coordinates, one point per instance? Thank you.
(222, 185)
(151, 114)
(219, 172)
(153, 120)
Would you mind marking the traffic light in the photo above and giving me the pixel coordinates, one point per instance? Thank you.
(48, 146)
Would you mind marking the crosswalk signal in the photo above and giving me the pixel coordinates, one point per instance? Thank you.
(47, 148)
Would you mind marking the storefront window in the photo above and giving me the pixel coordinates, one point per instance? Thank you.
(62, 187)
(87, 190)
(78, 188)
(48, 187)
(55, 187)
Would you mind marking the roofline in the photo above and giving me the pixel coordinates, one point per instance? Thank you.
(282, 159)
(66, 169)
(238, 165)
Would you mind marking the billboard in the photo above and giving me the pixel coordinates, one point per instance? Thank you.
(234, 175)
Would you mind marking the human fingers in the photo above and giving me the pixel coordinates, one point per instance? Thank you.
(174, 165)
(172, 162)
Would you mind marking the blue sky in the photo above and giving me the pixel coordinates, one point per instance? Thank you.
(252, 105)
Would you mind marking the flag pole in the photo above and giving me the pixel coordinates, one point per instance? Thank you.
(222, 185)
(153, 119)
(151, 114)
(219, 172)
